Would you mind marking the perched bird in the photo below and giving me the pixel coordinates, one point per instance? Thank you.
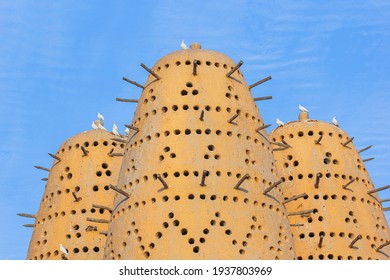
(303, 109)
(100, 117)
(63, 250)
(335, 122)
(94, 126)
(183, 45)
(115, 130)
(101, 127)
(127, 131)
(279, 122)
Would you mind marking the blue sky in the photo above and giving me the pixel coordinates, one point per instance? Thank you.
(61, 62)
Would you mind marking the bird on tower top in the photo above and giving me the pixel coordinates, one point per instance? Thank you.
(183, 46)
(279, 122)
(335, 122)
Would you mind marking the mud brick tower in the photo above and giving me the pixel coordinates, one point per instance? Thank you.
(73, 210)
(198, 179)
(334, 209)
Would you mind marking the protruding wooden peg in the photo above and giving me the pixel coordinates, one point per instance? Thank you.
(356, 239)
(29, 225)
(233, 118)
(262, 98)
(262, 127)
(235, 68)
(195, 66)
(318, 141)
(91, 228)
(348, 141)
(368, 159)
(132, 127)
(385, 200)
(202, 116)
(296, 225)
(42, 168)
(267, 190)
(127, 100)
(133, 82)
(85, 152)
(161, 179)
(304, 212)
(101, 221)
(204, 175)
(119, 140)
(102, 207)
(26, 215)
(321, 240)
(103, 232)
(318, 178)
(285, 143)
(280, 144)
(76, 199)
(116, 154)
(386, 209)
(365, 149)
(382, 246)
(54, 156)
(295, 197)
(150, 71)
(44, 179)
(378, 189)
(260, 82)
(350, 182)
(119, 191)
(279, 149)
(246, 176)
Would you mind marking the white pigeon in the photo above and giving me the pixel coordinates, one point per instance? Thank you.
(183, 45)
(94, 126)
(100, 117)
(335, 122)
(63, 250)
(127, 131)
(101, 127)
(303, 109)
(115, 130)
(279, 122)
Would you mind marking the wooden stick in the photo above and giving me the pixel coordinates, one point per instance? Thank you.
(301, 212)
(348, 141)
(127, 100)
(85, 152)
(116, 154)
(151, 71)
(378, 189)
(91, 228)
(318, 177)
(119, 140)
(279, 149)
(267, 190)
(29, 225)
(262, 127)
(368, 159)
(246, 176)
(382, 246)
(260, 82)
(26, 215)
(357, 238)
(205, 173)
(295, 197)
(194, 69)
(235, 68)
(76, 199)
(54, 156)
(44, 179)
(158, 176)
(262, 98)
(132, 127)
(386, 209)
(296, 225)
(103, 232)
(201, 115)
(102, 207)
(365, 149)
(321, 241)
(42, 168)
(133, 82)
(319, 140)
(281, 144)
(350, 182)
(119, 191)
(101, 221)
(233, 118)
(385, 200)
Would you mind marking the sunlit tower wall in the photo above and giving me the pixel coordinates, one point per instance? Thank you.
(334, 209)
(76, 204)
(195, 169)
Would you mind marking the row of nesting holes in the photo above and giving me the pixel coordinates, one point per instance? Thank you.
(198, 62)
(76, 250)
(72, 212)
(327, 175)
(87, 144)
(310, 133)
(342, 235)
(210, 148)
(95, 188)
(186, 173)
(185, 107)
(202, 197)
(197, 131)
